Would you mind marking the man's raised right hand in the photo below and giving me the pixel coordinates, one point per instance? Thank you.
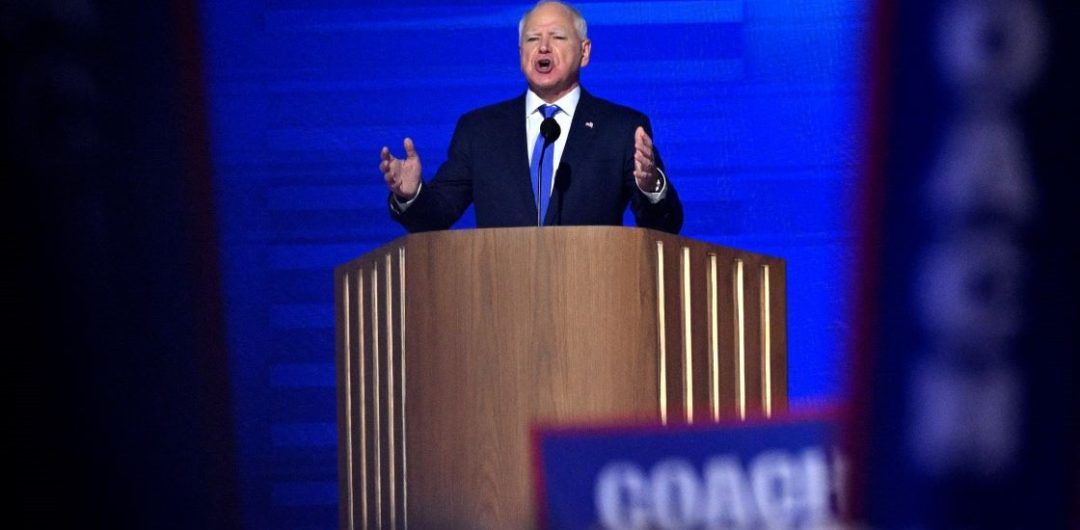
(402, 176)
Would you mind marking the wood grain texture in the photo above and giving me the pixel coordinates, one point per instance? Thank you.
(498, 330)
(778, 303)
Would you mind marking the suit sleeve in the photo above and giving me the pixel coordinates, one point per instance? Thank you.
(444, 198)
(666, 215)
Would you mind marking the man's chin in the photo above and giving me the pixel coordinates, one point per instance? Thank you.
(543, 82)
(549, 88)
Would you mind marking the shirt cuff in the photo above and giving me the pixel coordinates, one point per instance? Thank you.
(657, 196)
(399, 206)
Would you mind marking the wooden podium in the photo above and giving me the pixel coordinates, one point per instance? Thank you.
(451, 344)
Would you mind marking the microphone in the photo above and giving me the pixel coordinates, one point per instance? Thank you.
(550, 130)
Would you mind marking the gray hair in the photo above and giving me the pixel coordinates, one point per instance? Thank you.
(580, 26)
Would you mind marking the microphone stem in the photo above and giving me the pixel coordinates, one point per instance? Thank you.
(540, 184)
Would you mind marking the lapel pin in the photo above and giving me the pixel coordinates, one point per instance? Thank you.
(588, 124)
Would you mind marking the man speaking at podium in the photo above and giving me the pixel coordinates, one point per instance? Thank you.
(553, 156)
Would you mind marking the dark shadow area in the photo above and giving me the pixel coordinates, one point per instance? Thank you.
(122, 399)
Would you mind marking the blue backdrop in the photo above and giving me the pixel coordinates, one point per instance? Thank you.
(756, 107)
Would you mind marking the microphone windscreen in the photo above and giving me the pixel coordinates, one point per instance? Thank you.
(550, 130)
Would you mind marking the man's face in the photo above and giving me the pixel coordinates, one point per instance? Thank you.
(552, 54)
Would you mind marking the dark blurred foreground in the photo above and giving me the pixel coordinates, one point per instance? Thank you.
(966, 341)
(122, 397)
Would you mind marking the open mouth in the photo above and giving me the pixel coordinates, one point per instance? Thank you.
(544, 66)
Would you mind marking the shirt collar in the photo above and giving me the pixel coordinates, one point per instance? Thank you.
(567, 103)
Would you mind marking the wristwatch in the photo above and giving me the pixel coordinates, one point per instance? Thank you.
(659, 182)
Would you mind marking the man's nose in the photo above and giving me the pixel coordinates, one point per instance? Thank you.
(545, 44)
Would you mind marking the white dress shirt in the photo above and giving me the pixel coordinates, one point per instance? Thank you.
(564, 117)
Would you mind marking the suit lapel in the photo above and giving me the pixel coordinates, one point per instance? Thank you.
(520, 180)
(578, 146)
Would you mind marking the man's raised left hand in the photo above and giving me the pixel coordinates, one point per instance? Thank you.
(645, 172)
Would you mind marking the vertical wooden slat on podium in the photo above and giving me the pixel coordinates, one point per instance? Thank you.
(388, 386)
(373, 401)
(402, 462)
(765, 346)
(752, 331)
(698, 276)
(394, 378)
(660, 264)
(722, 331)
(683, 303)
(778, 333)
(345, 337)
(361, 460)
(673, 339)
(738, 330)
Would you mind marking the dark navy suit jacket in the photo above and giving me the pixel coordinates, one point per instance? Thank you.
(488, 166)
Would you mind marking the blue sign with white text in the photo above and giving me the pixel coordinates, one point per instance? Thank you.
(765, 474)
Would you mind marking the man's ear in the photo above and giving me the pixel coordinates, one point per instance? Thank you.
(586, 51)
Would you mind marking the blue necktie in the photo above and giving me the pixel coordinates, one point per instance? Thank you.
(543, 194)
